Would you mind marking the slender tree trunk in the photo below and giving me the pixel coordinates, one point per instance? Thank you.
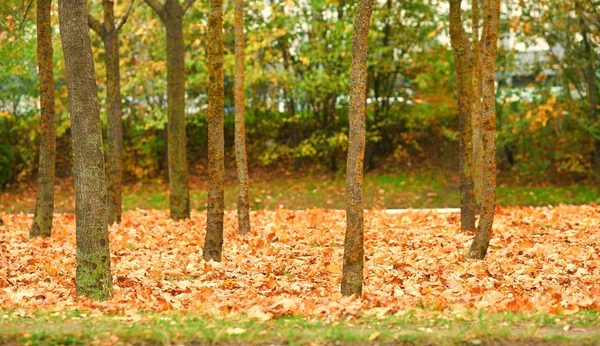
(171, 15)
(93, 257)
(481, 242)
(44, 204)
(240, 126)
(213, 244)
(352, 275)
(464, 83)
(114, 159)
(477, 106)
(178, 166)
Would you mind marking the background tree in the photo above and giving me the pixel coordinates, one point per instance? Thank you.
(93, 276)
(297, 91)
(171, 14)
(109, 32)
(213, 244)
(464, 85)
(572, 27)
(44, 204)
(481, 242)
(240, 121)
(352, 276)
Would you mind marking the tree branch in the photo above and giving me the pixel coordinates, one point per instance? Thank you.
(125, 17)
(95, 25)
(25, 14)
(186, 5)
(157, 7)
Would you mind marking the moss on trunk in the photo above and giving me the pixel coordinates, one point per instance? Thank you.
(481, 242)
(352, 276)
(464, 80)
(240, 123)
(477, 106)
(213, 245)
(44, 203)
(93, 277)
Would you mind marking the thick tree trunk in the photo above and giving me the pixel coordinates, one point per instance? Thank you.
(481, 242)
(44, 204)
(464, 83)
(240, 126)
(93, 257)
(352, 275)
(213, 245)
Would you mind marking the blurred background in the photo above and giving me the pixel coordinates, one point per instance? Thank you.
(298, 56)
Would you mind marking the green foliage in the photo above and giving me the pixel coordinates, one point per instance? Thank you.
(297, 82)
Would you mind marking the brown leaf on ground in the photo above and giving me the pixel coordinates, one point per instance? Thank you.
(540, 259)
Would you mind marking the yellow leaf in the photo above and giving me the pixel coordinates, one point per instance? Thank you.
(374, 336)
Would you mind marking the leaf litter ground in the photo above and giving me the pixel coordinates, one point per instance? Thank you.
(540, 260)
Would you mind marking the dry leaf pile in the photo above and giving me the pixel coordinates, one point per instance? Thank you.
(540, 259)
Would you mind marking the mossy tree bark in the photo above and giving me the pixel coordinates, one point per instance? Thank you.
(44, 203)
(93, 276)
(352, 276)
(213, 244)
(171, 14)
(114, 157)
(240, 126)
(481, 242)
(464, 83)
(477, 105)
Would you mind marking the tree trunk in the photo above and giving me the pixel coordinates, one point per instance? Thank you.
(171, 15)
(240, 127)
(178, 166)
(464, 81)
(213, 245)
(481, 242)
(590, 79)
(93, 257)
(477, 108)
(114, 159)
(44, 204)
(352, 275)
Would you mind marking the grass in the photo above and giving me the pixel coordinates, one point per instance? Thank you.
(426, 190)
(413, 327)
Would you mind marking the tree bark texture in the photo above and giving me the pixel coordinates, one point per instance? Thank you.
(213, 244)
(114, 157)
(171, 15)
(93, 276)
(464, 85)
(240, 123)
(477, 106)
(44, 203)
(352, 276)
(481, 242)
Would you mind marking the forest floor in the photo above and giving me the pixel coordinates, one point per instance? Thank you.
(430, 189)
(540, 283)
